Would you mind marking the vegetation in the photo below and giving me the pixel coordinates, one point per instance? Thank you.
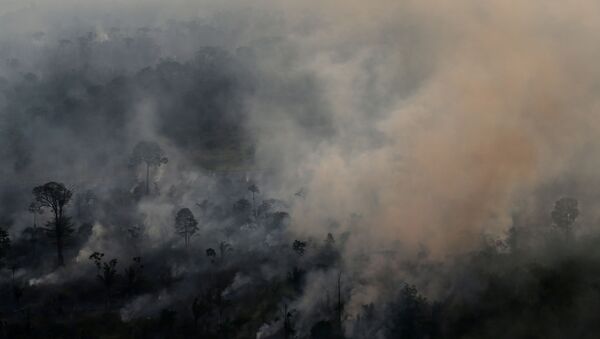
(185, 224)
(55, 196)
(121, 245)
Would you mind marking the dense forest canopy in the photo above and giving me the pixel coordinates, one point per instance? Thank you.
(302, 169)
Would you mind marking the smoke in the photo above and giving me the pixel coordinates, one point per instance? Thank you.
(416, 128)
(444, 116)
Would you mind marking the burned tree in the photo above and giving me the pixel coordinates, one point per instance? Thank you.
(55, 196)
(32, 232)
(35, 208)
(185, 224)
(149, 154)
(254, 190)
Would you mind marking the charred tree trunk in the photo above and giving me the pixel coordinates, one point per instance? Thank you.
(58, 233)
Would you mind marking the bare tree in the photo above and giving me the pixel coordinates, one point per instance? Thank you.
(185, 224)
(149, 154)
(35, 209)
(56, 196)
(254, 190)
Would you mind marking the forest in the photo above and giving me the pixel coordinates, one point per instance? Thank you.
(299, 170)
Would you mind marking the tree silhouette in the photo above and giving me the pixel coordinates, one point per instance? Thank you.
(409, 316)
(35, 209)
(185, 224)
(254, 190)
(55, 196)
(340, 304)
(299, 247)
(107, 273)
(200, 308)
(211, 254)
(133, 274)
(4, 245)
(329, 240)
(135, 234)
(17, 288)
(149, 154)
(288, 326)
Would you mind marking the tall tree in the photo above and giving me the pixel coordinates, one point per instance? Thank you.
(4, 245)
(34, 208)
(254, 190)
(149, 154)
(185, 224)
(55, 196)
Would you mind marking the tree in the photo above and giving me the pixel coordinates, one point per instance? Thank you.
(254, 190)
(135, 234)
(296, 278)
(34, 208)
(4, 245)
(185, 224)
(409, 316)
(224, 247)
(17, 288)
(133, 274)
(211, 254)
(565, 212)
(55, 196)
(322, 330)
(149, 154)
(329, 240)
(288, 326)
(299, 247)
(107, 273)
(340, 304)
